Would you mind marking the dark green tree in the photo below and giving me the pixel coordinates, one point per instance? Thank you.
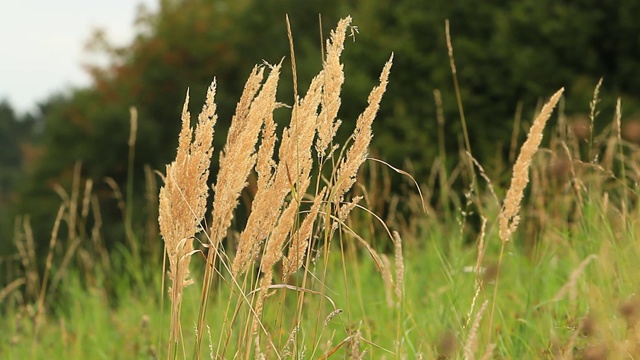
(506, 53)
(10, 156)
(17, 133)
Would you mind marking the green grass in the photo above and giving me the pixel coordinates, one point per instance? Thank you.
(530, 320)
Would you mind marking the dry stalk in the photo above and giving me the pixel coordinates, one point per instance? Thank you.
(300, 241)
(570, 286)
(236, 162)
(52, 244)
(12, 286)
(276, 212)
(471, 345)
(357, 153)
(509, 217)
(399, 265)
(387, 279)
(183, 200)
(592, 118)
(333, 80)
(294, 167)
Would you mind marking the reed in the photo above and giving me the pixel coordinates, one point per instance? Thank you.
(284, 213)
(182, 203)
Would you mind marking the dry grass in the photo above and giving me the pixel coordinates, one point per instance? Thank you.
(281, 225)
(509, 217)
(284, 217)
(183, 201)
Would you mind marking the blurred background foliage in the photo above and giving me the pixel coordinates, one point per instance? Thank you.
(509, 56)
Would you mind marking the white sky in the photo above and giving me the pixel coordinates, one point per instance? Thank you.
(42, 43)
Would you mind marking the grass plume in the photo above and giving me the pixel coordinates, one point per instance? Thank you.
(183, 201)
(509, 217)
(303, 275)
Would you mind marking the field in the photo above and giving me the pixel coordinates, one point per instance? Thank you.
(330, 262)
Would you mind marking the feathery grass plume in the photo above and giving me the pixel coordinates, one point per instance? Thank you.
(570, 286)
(296, 162)
(471, 345)
(330, 317)
(399, 264)
(22, 233)
(474, 299)
(488, 353)
(387, 279)
(236, 162)
(592, 118)
(265, 165)
(357, 153)
(623, 166)
(238, 156)
(294, 166)
(300, 240)
(183, 200)
(286, 349)
(273, 253)
(345, 209)
(333, 80)
(354, 349)
(509, 217)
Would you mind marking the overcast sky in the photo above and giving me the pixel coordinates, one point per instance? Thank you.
(42, 43)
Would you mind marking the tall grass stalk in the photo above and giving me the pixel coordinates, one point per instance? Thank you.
(276, 231)
(509, 216)
(128, 219)
(623, 164)
(442, 154)
(45, 278)
(456, 87)
(593, 113)
(182, 202)
(467, 144)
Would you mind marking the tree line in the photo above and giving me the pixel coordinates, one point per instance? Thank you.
(508, 57)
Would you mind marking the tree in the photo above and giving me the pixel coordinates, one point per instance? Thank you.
(505, 54)
(16, 134)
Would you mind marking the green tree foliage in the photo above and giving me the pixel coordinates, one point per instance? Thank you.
(505, 53)
(16, 139)
(17, 133)
(10, 157)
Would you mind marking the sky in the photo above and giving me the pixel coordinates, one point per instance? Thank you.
(42, 44)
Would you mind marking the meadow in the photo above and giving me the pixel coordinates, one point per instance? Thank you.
(330, 262)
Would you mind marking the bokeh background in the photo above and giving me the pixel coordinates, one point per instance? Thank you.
(71, 70)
